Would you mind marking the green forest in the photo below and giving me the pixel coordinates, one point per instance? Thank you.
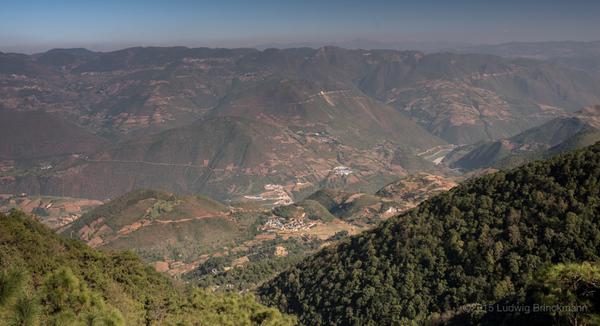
(503, 249)
(49, 280)
(517, 237)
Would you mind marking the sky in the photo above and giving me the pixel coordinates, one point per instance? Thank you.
(36, 25)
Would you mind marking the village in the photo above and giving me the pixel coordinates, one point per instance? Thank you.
(276, 223)
(342, 170)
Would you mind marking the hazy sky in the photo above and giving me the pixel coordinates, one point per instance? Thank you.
(35, 25)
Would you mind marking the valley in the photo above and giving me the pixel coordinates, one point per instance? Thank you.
(575, 130)
(483, 241)
(293, 148)
(293, 115)
(339, 186)
(178, 234)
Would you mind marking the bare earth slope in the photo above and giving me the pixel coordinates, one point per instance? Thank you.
(229, 122)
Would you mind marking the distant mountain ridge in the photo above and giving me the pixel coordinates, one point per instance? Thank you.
(144, 80)
(368, 44)
(583, 56)
(299, 114)
(539, 50)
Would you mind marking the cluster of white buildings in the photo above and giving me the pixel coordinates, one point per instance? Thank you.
(281, 224)
(342, 170)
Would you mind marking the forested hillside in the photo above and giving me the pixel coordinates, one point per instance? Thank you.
(482, 242)
(48, 280)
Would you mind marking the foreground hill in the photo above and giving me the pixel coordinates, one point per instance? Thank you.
(295, 231)
(164, 228)
(49, 280)
(479, 243)
(178, 234)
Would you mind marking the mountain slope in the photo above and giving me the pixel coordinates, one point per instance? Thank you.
(243, 119)
(37, 134)
(300, 229)
(584, 56)
(229, 157)
(163, 227)
(468, 98)
(394, 197)
(149, 89)
(347, 114)
(66, 283)
(477, 243)
(537, 142)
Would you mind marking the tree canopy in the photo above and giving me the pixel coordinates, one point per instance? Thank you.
(480, 243)
(49, 280)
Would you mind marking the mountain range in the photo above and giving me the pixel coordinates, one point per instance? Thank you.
(576, 130)
(342, 186)
(579, 55)
(229, 122)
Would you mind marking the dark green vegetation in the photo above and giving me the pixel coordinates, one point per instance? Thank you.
(570, 285)
(312, 209)
(344, 205)
(482, 242)
(263, 265)
(569, 294)
(49, 280)
(248, 277)
(267, 258)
